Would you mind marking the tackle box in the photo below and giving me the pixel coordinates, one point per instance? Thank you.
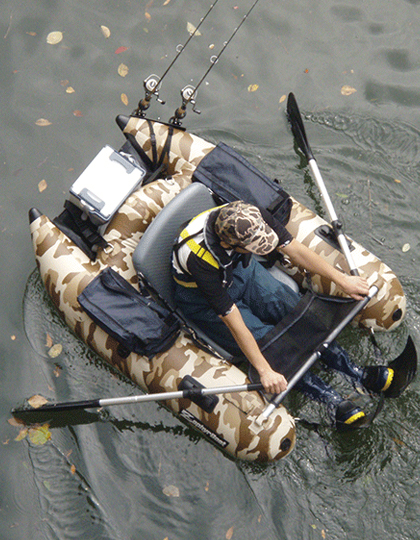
(105, 184)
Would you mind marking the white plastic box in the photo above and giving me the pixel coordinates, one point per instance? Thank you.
(105, 184)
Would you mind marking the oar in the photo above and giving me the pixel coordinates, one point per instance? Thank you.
(299, 133)
(192, 393)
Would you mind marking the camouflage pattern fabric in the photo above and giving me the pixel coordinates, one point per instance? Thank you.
(241, 224)
(235, 424)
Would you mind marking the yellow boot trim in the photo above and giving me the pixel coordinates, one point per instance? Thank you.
(355, 417)
(389, 380)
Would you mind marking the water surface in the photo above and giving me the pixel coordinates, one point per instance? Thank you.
(136, 471)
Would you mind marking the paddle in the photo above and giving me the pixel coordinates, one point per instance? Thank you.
(299, 133)
(192, 390)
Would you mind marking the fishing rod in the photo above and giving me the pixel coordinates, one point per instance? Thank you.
(153, 83)
(189, 92)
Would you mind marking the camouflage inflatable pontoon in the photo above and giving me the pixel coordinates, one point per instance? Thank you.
(66, 271)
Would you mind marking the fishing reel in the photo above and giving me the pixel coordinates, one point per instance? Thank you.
(151, 85)
(188, 95)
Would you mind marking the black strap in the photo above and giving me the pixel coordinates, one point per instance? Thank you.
(84, 227)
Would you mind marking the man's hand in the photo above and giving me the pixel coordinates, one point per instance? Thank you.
(273, 382)
(355, 286)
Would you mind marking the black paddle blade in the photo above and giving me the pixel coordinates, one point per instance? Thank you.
(298, 129)
(405, 368)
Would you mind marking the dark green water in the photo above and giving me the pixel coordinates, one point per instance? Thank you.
(108, 475)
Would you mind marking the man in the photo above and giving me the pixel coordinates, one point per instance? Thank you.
(236, 301)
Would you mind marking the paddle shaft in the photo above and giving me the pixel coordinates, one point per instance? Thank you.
(298, 129)
(162, 396)
(336, 225)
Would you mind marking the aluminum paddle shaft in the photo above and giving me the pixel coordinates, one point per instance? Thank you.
(298, 130)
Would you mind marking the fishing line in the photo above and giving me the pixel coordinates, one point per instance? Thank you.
(189, 92)
(153, 83)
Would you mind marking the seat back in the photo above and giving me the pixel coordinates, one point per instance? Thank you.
(152, 257)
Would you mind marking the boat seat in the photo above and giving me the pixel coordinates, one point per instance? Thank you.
(152, 257)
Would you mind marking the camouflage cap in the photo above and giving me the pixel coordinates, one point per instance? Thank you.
(241, 224)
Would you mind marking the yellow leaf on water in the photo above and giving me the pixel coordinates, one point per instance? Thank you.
(283, 97)
(397, 181)
(229, 534)
(22, 434)
(124, 99)
(73, 469)
(105, 31)
(171, 491)
(54, 37)
(37, 401)
(43, 122)
(253, 87)
(347, 90)
(70, 90)
(122, 70)
(406, 247)
(191, 29)
(42, 186)
(166, 2)
(55, 350)
(40, 435)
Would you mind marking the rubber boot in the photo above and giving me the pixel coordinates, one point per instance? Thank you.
(342, 410)
(377, 378)
(335, 357)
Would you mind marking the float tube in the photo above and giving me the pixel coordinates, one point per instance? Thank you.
(66, 270)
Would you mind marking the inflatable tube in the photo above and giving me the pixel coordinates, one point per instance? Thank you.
(234, 425)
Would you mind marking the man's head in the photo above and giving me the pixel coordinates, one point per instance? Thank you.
(241, 225)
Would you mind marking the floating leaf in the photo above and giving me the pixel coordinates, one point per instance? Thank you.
(105, 31)
(37, 401)
(124, 99)
(55, 350)
(40, 435)
(121, 49)
(166, 2)
(54, 37)
(73, 469)
(229, 533)
(397, 181)
(122, 70)
(171, 491)
(22, 434)
(42, 186)
(253, 87)
(43, 122)
(192, 29)
(77, 113)
(283, 97)
(347, 90)
(49, 341)
(16, 422)
(70, 90)
(57, 371)
(406, 247)
(33, 34)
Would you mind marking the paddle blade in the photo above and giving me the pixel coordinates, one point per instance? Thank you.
(298, 129)
(405, 368)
